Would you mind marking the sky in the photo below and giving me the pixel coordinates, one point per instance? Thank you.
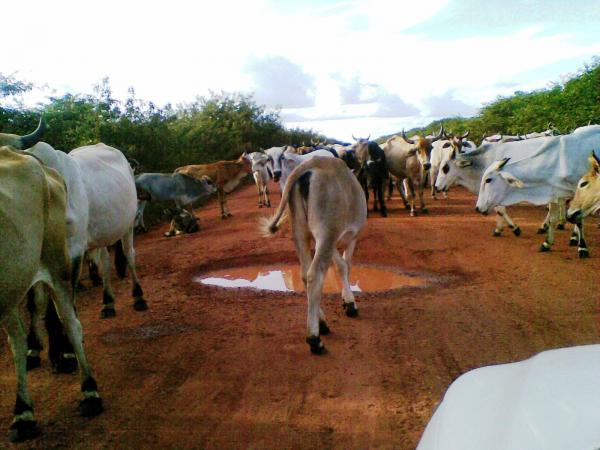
(339, 67)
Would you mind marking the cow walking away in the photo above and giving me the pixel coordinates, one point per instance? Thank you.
(226, 175)
(327, 206)
(33, 251)
(262, 171)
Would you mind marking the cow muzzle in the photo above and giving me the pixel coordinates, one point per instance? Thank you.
(277, 175)
(427, 166)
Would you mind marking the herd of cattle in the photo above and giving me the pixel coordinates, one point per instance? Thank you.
(60, 210)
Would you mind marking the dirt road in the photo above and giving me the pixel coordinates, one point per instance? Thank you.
(207, 367)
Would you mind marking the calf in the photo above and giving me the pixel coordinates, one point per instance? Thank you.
(326, 205)
(226, 175)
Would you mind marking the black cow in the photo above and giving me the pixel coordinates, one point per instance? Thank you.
(373, 172)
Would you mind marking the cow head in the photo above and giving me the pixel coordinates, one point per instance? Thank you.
(423, 146)
(207, 184)
(23, 142)
(246, 161)
(496, 183)
(361, 149)
(182, 221)
(452, 170)
(587, 195)
(457, 143)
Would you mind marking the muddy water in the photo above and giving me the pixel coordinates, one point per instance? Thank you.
(288, 278)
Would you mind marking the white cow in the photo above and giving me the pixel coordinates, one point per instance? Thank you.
(549, 402)
(547, 176)
(102, 207)
(262, 170)
(441, 151)
(329, 207)
(467, 170)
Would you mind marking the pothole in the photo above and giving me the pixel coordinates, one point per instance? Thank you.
(288, 278)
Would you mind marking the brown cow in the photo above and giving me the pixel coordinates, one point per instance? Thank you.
(226, 175)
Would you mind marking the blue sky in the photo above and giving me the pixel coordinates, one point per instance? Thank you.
(339, 67)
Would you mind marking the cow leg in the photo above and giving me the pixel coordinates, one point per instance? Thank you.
(390, 188)
(502, 218)
(421, 192)
(343, 270)
(267, 198)
(35, 335)
(552, 218)
(91, 405)
(314, 287)
(543, 229)
(139, 303)
(381, 197)
(582, 246)
(562, 214)
(433, 172)
(258, 188)
(223, 202)
(400, 185)
(410, 189)
(108, 296)
(24, 425)
(140, 226)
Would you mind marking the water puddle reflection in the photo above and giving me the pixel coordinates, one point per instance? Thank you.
(288, 278)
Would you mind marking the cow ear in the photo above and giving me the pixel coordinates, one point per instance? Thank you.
(511, 179)
(446, 145)
(594, 162)
(463, 163)
(502, 163)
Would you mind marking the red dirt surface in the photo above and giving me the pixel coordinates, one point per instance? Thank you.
(206, 367)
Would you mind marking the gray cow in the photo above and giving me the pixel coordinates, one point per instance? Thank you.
(176, 187)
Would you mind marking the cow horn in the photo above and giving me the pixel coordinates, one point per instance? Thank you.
(589, 122)
(354, 137)
(503, 163)
(29, 140)
(410, 141)
(368, 137)
(464, 136)
(595, 157)
(440, 134)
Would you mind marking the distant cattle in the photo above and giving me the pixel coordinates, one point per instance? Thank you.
(226, 175)
(33, 251)
(179, 188)
(262, 171)
(547, 176)
(408, 159)
(327, 205)
(373, 172)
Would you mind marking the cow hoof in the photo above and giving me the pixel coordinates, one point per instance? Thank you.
(169, 234)
(316, 345)
(583, 253)
(542, 230)
(517, 231)
(351, 309)
(323, 328)
(383, 213)
(497, 233)
(65, 364)
(573, 242)
(140, 304)
(90, 407)
(560, 226)
(424, 211)
(545, 247)
(108, 313)
(23, 430)
(33, 362)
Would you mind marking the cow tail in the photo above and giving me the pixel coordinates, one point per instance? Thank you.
(270, 226)
(120, 260)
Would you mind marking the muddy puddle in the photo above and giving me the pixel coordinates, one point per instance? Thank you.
(288, 279)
